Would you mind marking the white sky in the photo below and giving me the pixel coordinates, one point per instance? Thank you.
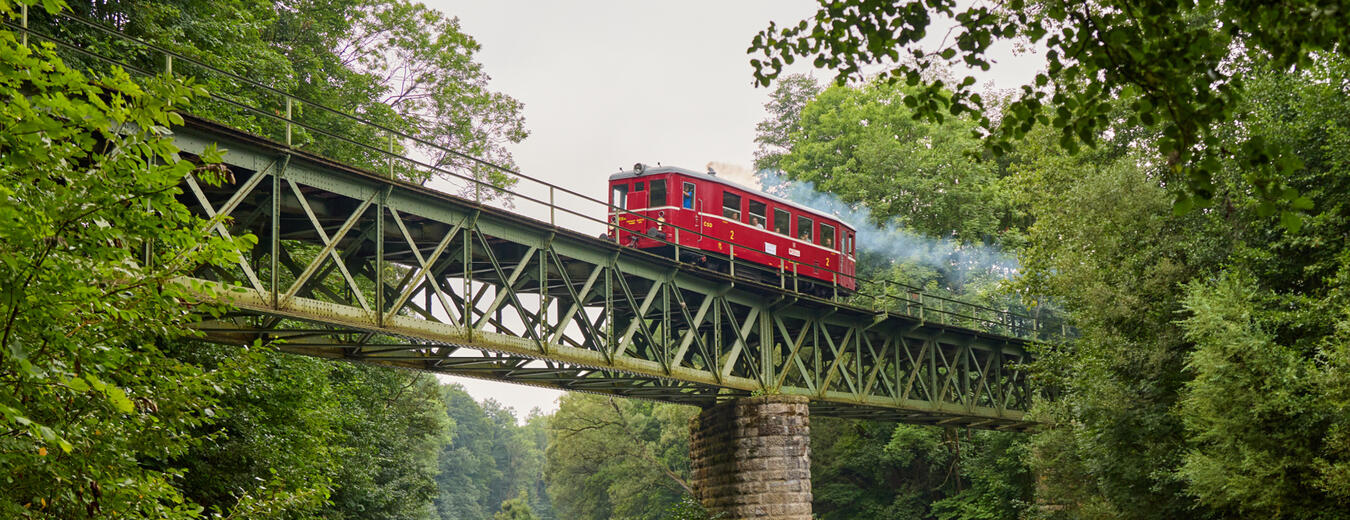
(609, 83)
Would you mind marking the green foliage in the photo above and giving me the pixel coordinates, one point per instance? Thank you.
(390, 428)
(1205, 380)
(863, 469)
(1179, 68)
(617, 458)
(108, 410)
(1253, 410)
(516, 509)
(689, 509)
(864, 146)
(88, 181)
(773, 135)
(490, 460)
(396, 63)
(269, 452)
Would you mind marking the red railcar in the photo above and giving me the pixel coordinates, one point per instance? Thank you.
(656, 207)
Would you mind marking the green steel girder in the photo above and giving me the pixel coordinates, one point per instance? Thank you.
(354, 266)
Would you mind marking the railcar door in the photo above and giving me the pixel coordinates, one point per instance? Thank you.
(637, 199)
(690, 202)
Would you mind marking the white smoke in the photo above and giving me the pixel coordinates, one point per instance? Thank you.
(735, 173)
(956, 261)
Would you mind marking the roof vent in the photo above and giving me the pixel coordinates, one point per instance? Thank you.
(712, 172)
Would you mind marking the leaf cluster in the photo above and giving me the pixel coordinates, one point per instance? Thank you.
(1178, 66)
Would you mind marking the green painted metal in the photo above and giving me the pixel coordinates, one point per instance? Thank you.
(360, 267)
(351, 265)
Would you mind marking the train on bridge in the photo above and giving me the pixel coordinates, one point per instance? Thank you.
(718, 223)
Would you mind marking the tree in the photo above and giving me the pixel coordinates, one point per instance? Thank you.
(862, 145)
(396, 63)
(391, 427)
(773, 135)
(617, 458)
(271, 451)
(874, 470)
(92, 244)
(1204, 382)
(1261, 410)
(1106, 245)
(1177, 67)
(516, 509)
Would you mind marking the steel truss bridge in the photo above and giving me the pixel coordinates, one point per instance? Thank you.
(353, 265)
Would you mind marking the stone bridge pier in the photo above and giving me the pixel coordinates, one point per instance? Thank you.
(752, 458)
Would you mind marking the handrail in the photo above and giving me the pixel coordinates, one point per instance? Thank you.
(1004, 319)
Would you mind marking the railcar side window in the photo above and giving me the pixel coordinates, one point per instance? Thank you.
(687, 197)
(637, 186)
(731, 205)
(757, 214)
(782, 222)
(620, 196)
(657, 197)
(827, 235)
(851, 243)
(804, 228)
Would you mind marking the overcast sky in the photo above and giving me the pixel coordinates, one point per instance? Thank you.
(609, 83)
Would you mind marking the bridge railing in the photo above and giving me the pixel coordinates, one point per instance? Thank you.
(312, 126)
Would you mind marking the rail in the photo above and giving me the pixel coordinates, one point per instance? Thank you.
(290, 121)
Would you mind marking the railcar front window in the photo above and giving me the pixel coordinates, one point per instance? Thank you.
(782, 222)
(827, 236)
(687, 197)
(657, 197)
(757, 214)
(804, 228)
(731, 205)
(619, 198)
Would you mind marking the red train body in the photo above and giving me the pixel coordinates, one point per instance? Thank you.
(733, 221)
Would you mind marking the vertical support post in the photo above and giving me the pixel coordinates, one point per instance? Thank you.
(964, 372)
(168, 65)
(665, 326)
(768, 348)
(717, 337)
(677, 244)
(288, 121)
(379, 256)
(24, 22)
(552, 208)
(609, 304)
(732, 248)
(467, 314)
(276, 232)
(543, 292)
